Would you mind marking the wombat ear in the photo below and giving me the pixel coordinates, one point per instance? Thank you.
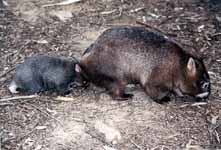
(77, 68)
(191, 66)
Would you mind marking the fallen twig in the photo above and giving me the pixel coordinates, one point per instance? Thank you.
(17, 98)
(212, 145)
(64, 99)
(17, 52)
(137, 9)
(194, 104)
(189, 146)
(158, 147)
(216, 34)
(6, 104)
(151, 27)
(46, 113)
(108, 148)
(199, 104)
(153, 15)
(67, 2)
(217, 136)
(26, 134)
(6, 72)
(108, 12)
(137, 146)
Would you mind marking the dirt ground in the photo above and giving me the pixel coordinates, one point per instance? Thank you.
(88, 119)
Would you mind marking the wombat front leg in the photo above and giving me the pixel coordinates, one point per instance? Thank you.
(63, 89)
(117, 91)
(33, 88)
(157, 93)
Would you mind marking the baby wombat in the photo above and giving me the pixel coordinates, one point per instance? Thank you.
(43, 73)
(128, 54)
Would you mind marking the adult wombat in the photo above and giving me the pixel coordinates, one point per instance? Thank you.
(128, 54)
(43, 73)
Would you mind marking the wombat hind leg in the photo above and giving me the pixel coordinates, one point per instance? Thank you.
(64, 92)
(157, 93)
(116, 89)
(163, 100)
(32, 88)
(125, 97)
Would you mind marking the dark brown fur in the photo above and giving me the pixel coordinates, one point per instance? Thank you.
(125, 55)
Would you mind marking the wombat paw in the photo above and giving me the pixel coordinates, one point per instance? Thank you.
(128, 95)
(125, 97)
(165, 99)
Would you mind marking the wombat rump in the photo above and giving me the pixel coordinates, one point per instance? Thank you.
(129, 54)
(43, 73)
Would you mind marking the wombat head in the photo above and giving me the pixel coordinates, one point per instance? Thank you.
(194, 80)
(80, 78)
